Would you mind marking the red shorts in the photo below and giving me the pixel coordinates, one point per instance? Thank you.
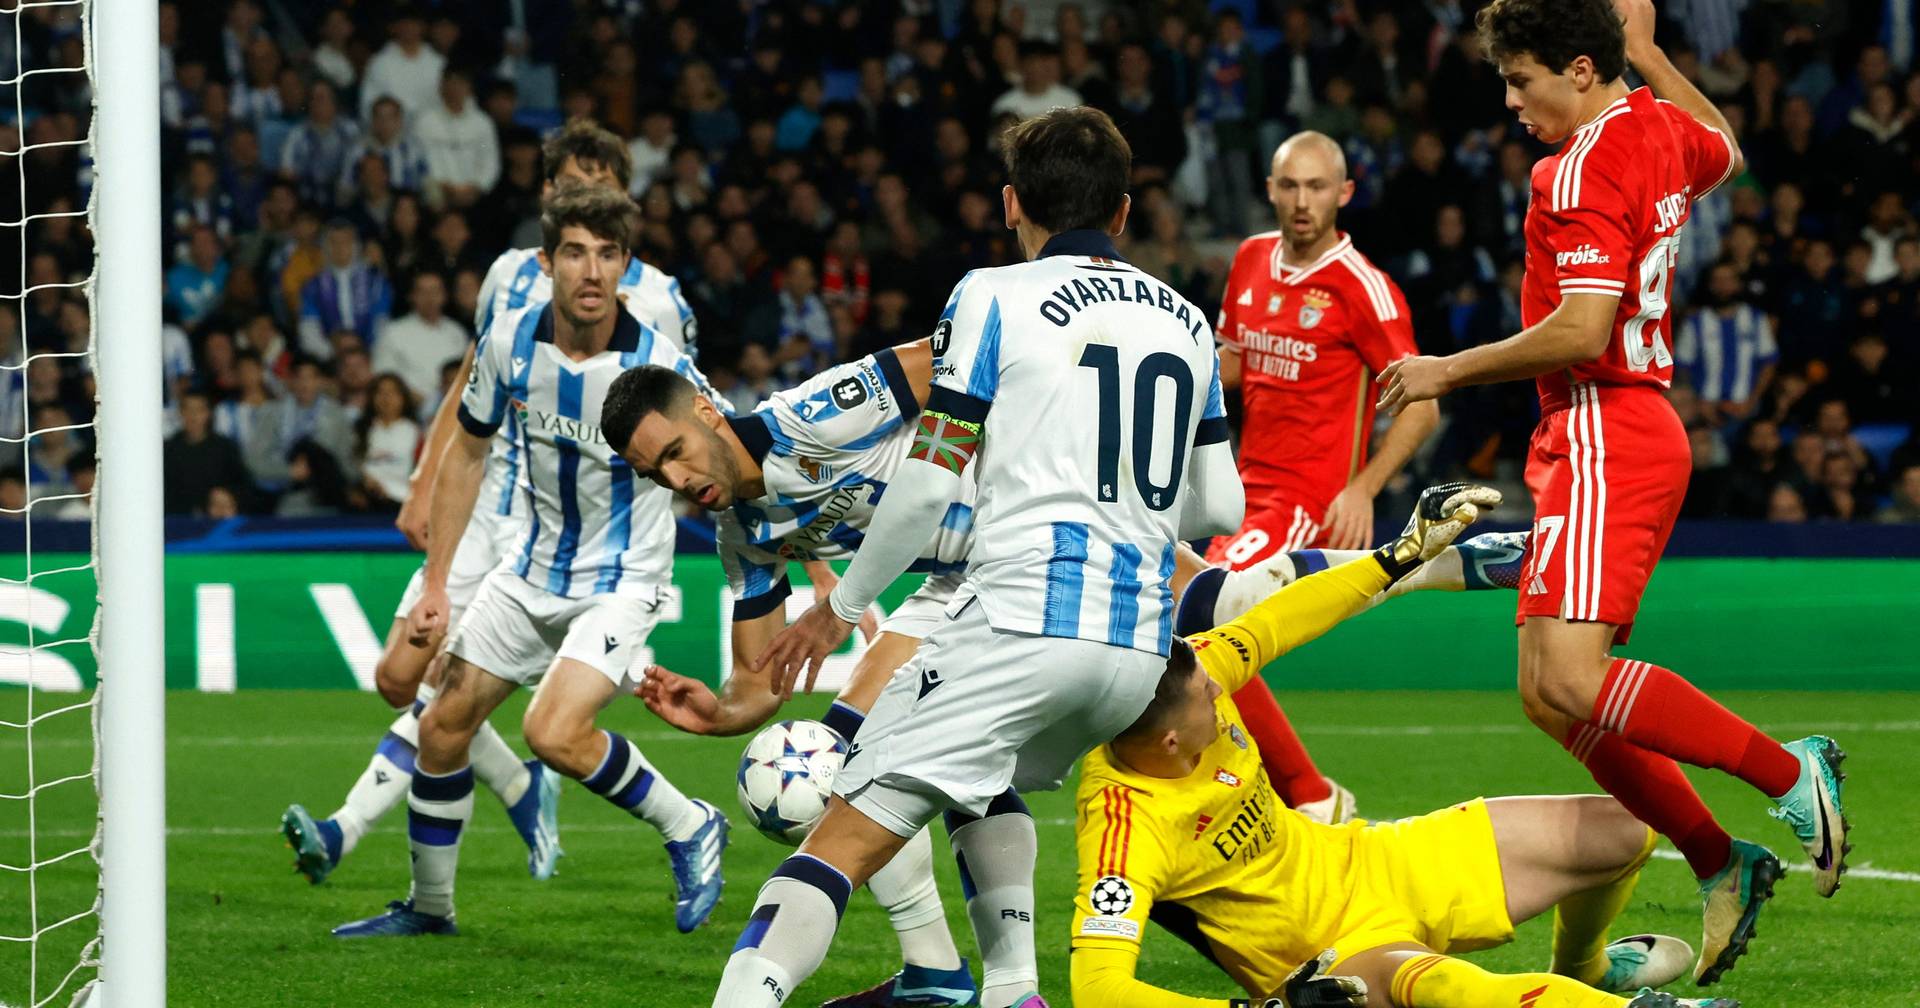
(1607, 476)
(1274, 525)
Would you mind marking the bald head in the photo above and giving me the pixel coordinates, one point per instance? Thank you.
(1307, 188)
(1315, 152)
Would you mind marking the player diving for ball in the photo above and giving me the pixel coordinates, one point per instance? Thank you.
(582, 153)
(569, 608)
(1178, 823)
(799, 477)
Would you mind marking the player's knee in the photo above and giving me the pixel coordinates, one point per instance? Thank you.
(396, 682)
(1614, 836)
(1564, 690)
(561, 742)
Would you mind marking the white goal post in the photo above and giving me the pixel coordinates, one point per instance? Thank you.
(125, 58)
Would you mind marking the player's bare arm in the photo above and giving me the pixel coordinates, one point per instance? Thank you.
(744, 703)
(416, 514)
(1666, 80)
(1576, 331)
(1229, 366)
(455, 487)
(1349, 517)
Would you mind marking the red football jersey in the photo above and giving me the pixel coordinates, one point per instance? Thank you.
(1605, 218)
(1311, 338)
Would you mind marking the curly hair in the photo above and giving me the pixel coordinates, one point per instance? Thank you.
(600, 210)
(589, 145)
(1555, 32)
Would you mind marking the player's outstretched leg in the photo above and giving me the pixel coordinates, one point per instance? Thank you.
(797, 911)
(320, 845)
(932, 971)
(439, 804)
(559, 726)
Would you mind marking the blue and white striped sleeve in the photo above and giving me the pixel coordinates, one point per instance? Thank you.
(756, 577)
(966, 341)
(483, 404)
(1213, 419)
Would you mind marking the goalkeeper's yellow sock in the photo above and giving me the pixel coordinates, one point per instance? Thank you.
(1437, 981)
(1580, 922)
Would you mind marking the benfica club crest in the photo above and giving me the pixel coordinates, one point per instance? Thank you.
(1314, 308)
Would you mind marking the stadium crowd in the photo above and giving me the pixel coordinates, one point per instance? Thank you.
(338, 177)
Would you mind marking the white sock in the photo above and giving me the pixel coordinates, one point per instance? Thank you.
(1442, 573)
(626, 779)
(383, 784)
(1241, 590)
(497, 766)
(786, 938)
(998, 854)
(438, 808)
(905, 887)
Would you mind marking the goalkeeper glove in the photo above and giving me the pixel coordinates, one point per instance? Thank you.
(1310, 986)
(1441, 514)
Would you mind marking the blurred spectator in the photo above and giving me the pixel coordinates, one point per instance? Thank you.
(1838, 494)
(1866, 382)
(1710, 483)
(1039, 87)
(332, 58)
(1151, 123)
(247, 418)
(1726, 349)
(80, 475)
(1228, 106)
(406, 68)
(314, 156)
(308, 412)
(386, 441)
(348, 295)
(200, 203)
(197, 459)
(13, 495)
(386, 138)
(753, 380)
(196, 286)
(652, 149)
(463, 154)
(417, 344)
(221, 504)
(806, 336)
(1784, 504)
(315, 486)
(53, 444)
(1757, 466)
(1904, 505)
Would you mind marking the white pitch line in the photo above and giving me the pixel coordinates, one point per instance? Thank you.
(1853, 871)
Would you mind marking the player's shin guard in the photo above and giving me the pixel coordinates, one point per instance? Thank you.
(496, 766)
(438, 807)
(383, 784)
(996, 855)
(1292, 771)
(1655, 709)
(1580, 921)
(905, 887)
(626, 779)
(1437, 981)
(1653, 788)
(787, 935)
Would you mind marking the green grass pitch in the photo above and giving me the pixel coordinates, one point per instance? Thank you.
(244, 930)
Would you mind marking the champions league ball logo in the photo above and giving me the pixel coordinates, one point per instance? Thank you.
(1111, 896)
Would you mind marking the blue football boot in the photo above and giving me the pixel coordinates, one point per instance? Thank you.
(536, 816)
(696, 870)
(400, 921)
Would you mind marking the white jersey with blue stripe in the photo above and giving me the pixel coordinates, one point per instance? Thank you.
(1088, 384)
(592, 527)
(827, 449)
(515, 280)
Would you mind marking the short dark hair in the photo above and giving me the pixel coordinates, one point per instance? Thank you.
(1070, 168)
(587, 143)
(646, 389)
(596, 208)
(1181, 666)
(1555, 32)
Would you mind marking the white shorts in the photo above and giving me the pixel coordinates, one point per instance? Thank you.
(488, 538)
(977, 710)
(924, 610)
(514, 631)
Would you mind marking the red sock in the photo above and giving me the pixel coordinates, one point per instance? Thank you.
(1289, 767)
(1656, 709)
(1652, 787)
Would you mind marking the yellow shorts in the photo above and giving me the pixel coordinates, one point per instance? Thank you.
(1433, 880)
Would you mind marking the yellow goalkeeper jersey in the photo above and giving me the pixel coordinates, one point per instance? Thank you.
(1218, 860)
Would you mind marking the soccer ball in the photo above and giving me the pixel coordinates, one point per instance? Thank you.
(786, 777)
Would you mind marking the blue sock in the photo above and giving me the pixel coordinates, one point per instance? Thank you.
(1195, 611)
(842, 718)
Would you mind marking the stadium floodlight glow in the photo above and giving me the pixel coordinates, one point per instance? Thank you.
(124, 36)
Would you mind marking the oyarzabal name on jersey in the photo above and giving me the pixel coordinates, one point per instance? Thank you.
(559, 426)
(1080, 293)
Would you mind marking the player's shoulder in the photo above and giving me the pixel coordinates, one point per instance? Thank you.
(1595, 162)
(513, 261)
(515, 324)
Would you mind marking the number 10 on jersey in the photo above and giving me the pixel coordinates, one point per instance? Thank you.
(1105, 362)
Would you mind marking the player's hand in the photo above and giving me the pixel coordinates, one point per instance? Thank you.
(1410, 380)
(824, 579)
(1349, 520)
(803, 646)
(1311, 986)
(413, 520)
(1637, 17)
(427, 620)
(1441, 514)
(685, 703)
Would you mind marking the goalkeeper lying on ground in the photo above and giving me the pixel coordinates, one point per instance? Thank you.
(1178, 824)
